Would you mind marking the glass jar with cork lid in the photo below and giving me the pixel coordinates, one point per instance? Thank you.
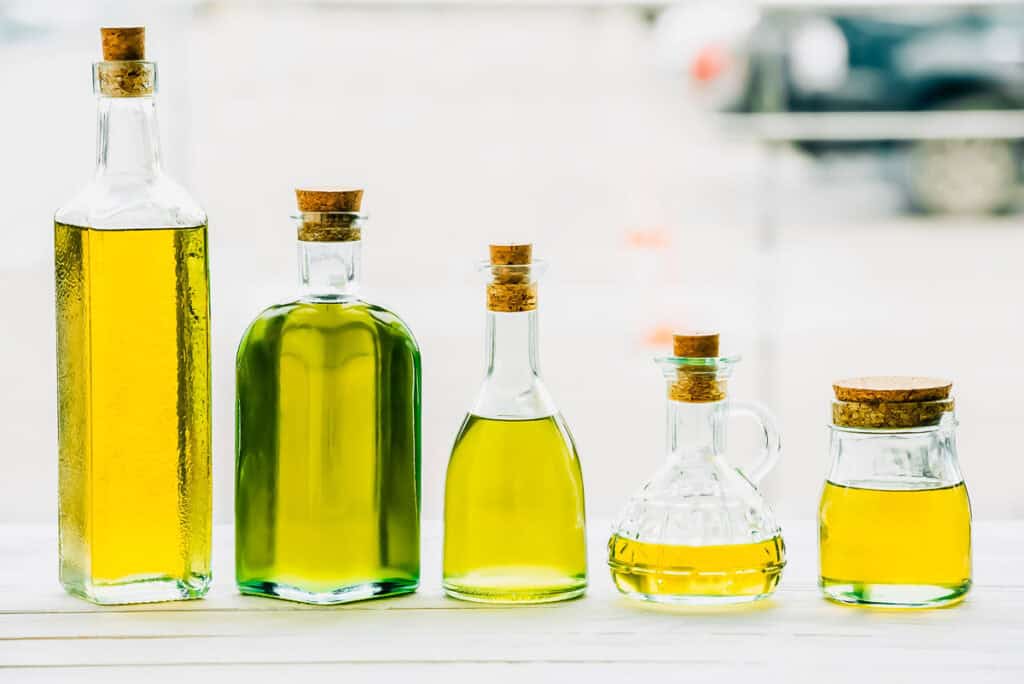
(699, 531)
(895, 519)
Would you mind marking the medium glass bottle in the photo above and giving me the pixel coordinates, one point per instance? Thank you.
(700, 532)
(514, 523)
(133, 362)
(895, 520)
(327, 477)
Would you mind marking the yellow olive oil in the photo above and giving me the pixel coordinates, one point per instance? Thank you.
(514, 513)
(895, 546)
(133, 379)
(664, 571)
(327, 494)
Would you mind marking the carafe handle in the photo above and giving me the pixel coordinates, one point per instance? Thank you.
(772, 445)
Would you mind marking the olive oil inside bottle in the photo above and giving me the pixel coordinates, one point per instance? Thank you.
(328, 471)
(902, 546)
(661, 571)
(133, 412)
(514, 513)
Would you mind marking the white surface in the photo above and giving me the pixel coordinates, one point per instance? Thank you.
(46, 636)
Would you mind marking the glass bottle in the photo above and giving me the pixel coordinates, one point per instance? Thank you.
(895, 520)
(514, 523)
(133, 361)
(327, 478)
(699, 531)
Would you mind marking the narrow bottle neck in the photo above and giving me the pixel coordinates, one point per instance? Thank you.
(512, 346)
(696, 431)
(330, 270)
(127, 137)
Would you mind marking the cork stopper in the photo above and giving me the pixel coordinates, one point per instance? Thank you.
(330, 214)
(123, 71)
(123, 43)
(329, 199)
(696, 344)
(892, 388)
(693, 383)
(512, 289)
(891, 402)
(502, 255)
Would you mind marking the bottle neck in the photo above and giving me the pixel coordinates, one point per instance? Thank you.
(512, 355)
(127, 137)
(330, 270)
(696, 431)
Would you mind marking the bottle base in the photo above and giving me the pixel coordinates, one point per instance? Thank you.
(140, 590)
(515, 595)
(894, 595)
(346, 594)
(695, 599)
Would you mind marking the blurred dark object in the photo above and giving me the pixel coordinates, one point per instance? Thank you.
(939, 89)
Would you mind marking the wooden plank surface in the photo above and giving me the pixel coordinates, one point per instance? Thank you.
(47, 636)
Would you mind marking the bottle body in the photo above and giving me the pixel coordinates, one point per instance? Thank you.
(328, 453)
(895, 518)
(514, 512)
(133, 370)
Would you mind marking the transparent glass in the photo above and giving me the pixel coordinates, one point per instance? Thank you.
(895, 518)
(700, 532)
(133, 373)
(515, 528)
(327, 478)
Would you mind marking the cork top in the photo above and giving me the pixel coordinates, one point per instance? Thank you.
(892, 389)
(891, 402)
(122, 44)
(508, 255)
(330, 214)
(695, 344)
(513, 288)
(124, 71)
(696, 384)
(329, 199)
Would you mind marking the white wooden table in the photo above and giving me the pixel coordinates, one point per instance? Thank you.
(47, 636)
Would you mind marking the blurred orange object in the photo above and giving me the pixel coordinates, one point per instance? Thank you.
(709, 63)
(655, 238)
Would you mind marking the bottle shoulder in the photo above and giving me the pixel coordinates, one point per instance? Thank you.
(118, 202)
(329, 316)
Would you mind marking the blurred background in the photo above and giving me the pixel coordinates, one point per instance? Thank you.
(834, 185)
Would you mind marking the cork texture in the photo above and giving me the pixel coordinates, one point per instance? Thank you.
(512, 289)
(329, 199)
(126, 79)
(123, 43)
(891, 388)
(696, 384)
(697, 387)
(504, 255)
(889, 415)
(330, 214)
(695, 344)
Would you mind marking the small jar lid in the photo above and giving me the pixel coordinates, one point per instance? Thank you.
(891, 402)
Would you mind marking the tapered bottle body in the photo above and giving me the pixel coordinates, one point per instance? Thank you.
(327, 495)
(133, 369)
(515, 523)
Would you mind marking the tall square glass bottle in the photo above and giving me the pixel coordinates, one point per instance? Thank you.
(133, 360)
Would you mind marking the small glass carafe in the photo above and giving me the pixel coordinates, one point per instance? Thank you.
(700, 532)
(895, 520)
(514, 521)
